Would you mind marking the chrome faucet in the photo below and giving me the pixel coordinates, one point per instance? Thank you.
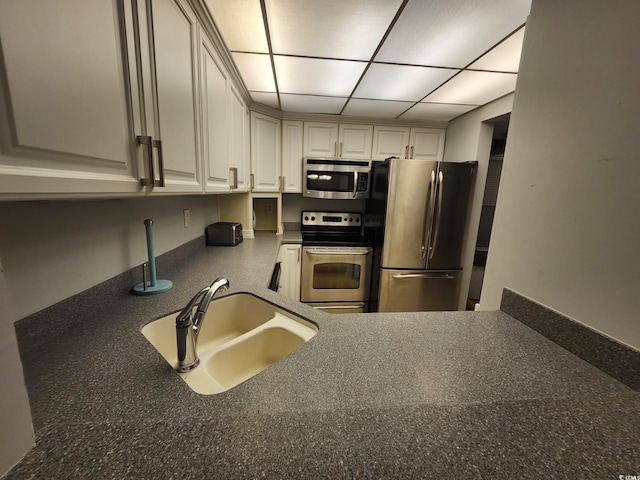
(188, 324)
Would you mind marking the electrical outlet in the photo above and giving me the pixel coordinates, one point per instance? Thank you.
(269, 209)
(187, 218)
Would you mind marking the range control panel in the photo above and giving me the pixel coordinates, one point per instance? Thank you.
(331, 219)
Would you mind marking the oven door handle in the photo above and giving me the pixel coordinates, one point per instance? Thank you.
(337, 252)
(340, 307)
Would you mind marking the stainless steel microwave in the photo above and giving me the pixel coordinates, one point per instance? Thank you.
(336, 178)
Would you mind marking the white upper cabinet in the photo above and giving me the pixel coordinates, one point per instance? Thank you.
(354, 141)
(215, 119)
(405, 142)
(175, 100)
(100, 101)
(66, 106)
(239, 141)
(320, 139)
(265, 153)
(292, 150)
(390, 142)
(334, 140)
(426, 143)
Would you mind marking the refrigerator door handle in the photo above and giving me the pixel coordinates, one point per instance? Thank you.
(443, 276)
(432, 247)
(428, 218)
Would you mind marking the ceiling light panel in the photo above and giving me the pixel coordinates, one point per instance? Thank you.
(312, 104)
(256, 71)
(474, 88)
(266, 98)
(317, 76)
(401, 82)
(240, 23)
(436, 112)
(505, 57)
(348, 29)
(358, 107)
(451, 33)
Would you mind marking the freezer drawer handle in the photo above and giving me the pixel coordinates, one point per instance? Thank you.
(444, 276)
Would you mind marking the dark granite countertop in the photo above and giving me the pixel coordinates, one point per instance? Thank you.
(416, 395)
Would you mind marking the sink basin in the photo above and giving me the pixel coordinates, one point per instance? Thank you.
(241, 336)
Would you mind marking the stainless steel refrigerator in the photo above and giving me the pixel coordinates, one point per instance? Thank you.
(416, 218)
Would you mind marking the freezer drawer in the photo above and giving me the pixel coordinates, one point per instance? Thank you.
(419, 290)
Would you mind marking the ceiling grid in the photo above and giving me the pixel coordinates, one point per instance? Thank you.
(419, 60)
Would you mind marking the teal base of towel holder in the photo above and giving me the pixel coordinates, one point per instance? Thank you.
(160, 287)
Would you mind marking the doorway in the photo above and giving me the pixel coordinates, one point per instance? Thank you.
(494, 172)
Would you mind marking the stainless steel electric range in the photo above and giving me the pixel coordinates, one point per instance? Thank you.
(336, 262)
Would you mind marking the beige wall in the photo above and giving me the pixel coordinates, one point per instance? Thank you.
(52, 250)
(566, 230)
(469, 139)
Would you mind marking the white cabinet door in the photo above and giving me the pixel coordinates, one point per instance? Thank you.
(426, 143)
(265, 153)
(355, 141)
(289, 256)
(215, 120)
(175, 53)
(239, 137)
(320, 139)
(390, 142)
(66, 109)
(292, 150)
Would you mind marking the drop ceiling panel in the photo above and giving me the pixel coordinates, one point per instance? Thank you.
(401, 82)
(266, 98)
(358, 107)
(349, 29)
(240, 23)
(317, 76)
(256, 71)
(442, 112)
(312, 104)
(474, 88)
(451, 33)
(504, 57)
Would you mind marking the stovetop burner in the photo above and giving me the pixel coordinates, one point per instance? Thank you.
(332, 228)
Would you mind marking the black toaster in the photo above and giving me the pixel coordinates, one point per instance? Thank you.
(224, 233)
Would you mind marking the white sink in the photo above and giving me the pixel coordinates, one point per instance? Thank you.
(241, 335)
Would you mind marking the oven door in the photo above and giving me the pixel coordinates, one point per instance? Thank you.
(335, 274)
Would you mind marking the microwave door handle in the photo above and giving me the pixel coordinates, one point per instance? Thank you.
(432, 247)
(355, 184)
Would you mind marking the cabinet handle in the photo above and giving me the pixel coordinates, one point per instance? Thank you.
(148, 141)
(160, 183)
(251, 177)
(282, 183)
(406, 151)
(234, 172)
(411, 154)
(335, 149)
(340, 151)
